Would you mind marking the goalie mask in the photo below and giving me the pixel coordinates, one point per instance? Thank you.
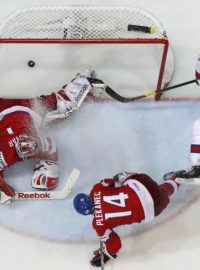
(83, 204)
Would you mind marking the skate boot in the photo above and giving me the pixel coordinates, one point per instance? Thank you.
(191, 176)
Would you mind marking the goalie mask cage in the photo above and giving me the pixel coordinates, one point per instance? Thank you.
(90, 25)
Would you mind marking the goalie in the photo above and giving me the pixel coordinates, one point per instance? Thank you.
(138, 199)
(19, 123)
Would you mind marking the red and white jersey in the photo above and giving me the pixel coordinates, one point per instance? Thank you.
(20, 117)
(139, 199)
(115, 206)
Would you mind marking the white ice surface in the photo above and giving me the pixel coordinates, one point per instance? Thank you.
(102, 139)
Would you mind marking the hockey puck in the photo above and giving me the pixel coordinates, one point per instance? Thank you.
(31, 63)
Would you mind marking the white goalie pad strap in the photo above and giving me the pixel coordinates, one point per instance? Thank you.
(55, 116)
(145, 199)
(173, 183)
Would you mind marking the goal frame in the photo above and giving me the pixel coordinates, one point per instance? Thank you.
(162, 41)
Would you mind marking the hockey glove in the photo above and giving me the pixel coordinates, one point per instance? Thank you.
(96, 260)
(197, 72)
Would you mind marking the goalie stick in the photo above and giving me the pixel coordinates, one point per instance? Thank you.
(120, 98)
(44, 195)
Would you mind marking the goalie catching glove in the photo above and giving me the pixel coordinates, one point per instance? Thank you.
(72, 95)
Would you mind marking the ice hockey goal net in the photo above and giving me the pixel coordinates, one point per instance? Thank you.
(109, 36)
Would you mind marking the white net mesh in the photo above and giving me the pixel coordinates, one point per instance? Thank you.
(80, 22)
(129, 61)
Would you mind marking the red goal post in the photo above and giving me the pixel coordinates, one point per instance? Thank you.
(89, 25)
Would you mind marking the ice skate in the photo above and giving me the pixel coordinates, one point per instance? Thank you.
(191, 176)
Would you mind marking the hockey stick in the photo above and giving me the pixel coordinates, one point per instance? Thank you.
(44, 195)
(120, 98)
(102, 254)
(141, 28)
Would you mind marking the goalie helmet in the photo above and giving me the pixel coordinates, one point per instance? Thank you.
(83, 204)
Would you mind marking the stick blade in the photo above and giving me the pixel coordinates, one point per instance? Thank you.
(114, 95)
(71, 181)
(50, 195)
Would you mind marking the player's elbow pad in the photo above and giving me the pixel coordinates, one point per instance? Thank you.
(113, 244)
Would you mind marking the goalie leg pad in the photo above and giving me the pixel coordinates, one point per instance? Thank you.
(79, 87)
(71, 96)
(77, 90)
(45, 175)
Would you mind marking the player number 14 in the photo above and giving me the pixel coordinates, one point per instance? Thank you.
(118, 200)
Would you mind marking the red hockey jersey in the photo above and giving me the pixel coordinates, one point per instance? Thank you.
(17, 117)
(115, 206)
(138, 199)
